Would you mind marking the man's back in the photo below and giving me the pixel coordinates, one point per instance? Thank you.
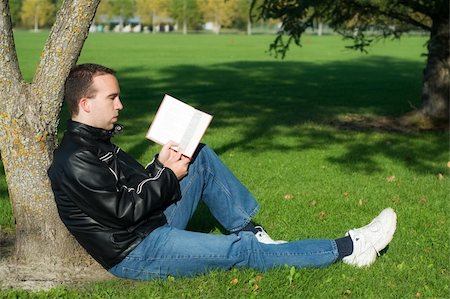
(96, 191)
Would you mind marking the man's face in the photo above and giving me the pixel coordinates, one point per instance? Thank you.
(105, 105)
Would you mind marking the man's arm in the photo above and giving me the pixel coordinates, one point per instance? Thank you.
(103, 197)
(174, 160)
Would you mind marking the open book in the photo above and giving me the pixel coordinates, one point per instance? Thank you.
(178, 122)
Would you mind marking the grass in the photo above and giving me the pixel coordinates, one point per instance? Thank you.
(272, 127)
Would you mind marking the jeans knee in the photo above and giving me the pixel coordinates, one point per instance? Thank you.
(202, 151)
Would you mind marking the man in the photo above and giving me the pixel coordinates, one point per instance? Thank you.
(132, 219)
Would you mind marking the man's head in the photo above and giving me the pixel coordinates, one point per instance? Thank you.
(92, 95)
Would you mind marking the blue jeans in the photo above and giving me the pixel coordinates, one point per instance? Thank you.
(171, 250)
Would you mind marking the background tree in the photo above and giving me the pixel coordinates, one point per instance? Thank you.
(37, 13)
(103, 12)
(15, 7)
(243, 19)
(29, 117)
(123, 9)
(365, 21)
(185, 12)
(151, 11)
(220, 13)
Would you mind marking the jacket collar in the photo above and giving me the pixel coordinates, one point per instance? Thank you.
(92, 132)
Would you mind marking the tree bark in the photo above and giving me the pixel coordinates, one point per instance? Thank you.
(29, 117)
(435, 88)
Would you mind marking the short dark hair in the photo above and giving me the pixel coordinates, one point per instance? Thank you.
(79, 83)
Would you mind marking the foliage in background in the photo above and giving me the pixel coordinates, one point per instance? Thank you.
(149, 10)
(37, 13)
(186, 13)
(219, 13)
(360, 20)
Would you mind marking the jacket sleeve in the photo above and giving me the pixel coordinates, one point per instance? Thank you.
(154, 166)
(96, 190)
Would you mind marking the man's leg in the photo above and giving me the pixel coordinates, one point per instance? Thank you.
(210, 180)
(171, 251)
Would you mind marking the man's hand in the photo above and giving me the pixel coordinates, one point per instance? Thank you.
(174, 160)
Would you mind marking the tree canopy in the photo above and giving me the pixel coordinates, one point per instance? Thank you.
(364, 21)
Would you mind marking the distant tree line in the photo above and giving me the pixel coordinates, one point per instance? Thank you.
(183, 15)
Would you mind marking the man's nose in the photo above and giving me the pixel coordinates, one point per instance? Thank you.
(119, 105)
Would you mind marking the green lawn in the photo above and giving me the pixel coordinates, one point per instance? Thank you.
(272, 126)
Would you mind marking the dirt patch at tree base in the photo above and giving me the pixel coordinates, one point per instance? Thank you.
(44, 276)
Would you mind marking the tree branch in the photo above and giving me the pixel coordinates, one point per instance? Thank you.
(60, 54)
(9, 64)
(416, 6)
(392, 14)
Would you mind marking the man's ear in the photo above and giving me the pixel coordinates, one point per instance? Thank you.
(85, 105)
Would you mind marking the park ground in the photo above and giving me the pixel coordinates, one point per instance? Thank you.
(315, 137)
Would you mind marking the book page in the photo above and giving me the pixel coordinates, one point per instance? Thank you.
(178, 122)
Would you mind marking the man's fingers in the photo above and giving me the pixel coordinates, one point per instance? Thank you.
(170, 144)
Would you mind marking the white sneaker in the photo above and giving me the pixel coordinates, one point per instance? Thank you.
(263, 237)
(369, 240)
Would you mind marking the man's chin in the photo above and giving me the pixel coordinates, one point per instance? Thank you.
(110, 127)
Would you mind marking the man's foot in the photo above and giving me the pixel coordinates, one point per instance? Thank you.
(369, 240)
(263, 237)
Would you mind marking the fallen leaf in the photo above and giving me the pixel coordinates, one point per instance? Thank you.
(288, 196)
(391, 178)
(347, 292)
(448, 164)
(423, 200)
(234, 281)
(396, 199)
(258, 278)
(345, 194)
(360, 202)
(418, 295)
(440, 176)
(312, 203)
(322, 215)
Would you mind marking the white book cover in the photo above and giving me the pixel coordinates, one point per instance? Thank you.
(179, 122)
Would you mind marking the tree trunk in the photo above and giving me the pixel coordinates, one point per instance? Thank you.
(184, 26)
(435, 88)
(184, 18)
(36, 16)
(29, 116)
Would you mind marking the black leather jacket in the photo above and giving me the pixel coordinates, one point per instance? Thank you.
(106, 199)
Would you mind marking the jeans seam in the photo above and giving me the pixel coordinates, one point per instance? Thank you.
(240, 253)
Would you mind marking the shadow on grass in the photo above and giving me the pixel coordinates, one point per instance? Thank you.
(278, 98)
(296, 100)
